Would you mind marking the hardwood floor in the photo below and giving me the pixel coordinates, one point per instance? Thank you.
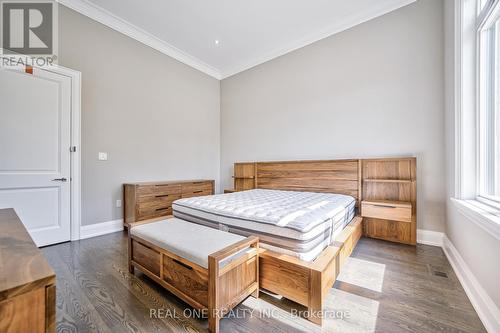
(384, 287)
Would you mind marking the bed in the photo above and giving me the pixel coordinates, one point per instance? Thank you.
(311, 222)
(295, 223)
(298, 263)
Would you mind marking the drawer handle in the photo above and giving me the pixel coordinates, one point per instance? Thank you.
(160, 209)
(385, 206)
(198, 191)
(162, 196)
(182, 264)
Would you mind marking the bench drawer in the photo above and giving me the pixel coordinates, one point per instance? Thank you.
(387, 210)
(146, 257)
(186, 279)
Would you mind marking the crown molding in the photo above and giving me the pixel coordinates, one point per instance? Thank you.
(347, 23)
(107, 18)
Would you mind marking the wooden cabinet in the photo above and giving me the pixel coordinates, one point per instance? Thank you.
(27, 282)
(389, 199)
(149, 200)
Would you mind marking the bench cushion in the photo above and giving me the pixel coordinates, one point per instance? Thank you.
(188, 240)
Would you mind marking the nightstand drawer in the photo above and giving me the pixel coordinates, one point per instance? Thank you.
(387, 210)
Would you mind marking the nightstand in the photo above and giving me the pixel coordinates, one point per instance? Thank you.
(389, 199)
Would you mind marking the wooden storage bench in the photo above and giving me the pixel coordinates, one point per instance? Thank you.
(192, 261)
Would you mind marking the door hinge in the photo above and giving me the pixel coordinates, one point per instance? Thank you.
(72, 149)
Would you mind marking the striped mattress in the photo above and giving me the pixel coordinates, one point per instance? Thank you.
(300, 224)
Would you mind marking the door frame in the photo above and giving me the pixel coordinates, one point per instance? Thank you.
(75, 156)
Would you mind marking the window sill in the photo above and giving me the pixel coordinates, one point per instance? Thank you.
(484, 216)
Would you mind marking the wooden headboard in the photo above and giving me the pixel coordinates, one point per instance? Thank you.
(385, 188)
(330, 176)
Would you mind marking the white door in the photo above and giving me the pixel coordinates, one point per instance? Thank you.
(35, 122)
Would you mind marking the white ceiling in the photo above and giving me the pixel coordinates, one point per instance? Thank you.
(249, 32)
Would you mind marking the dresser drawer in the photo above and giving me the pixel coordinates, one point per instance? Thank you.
(158, 200)
(152, 190)
(152, 212)
(198, 186)
(197, 189)
(186, 279)
(196, 193)
(387, 210)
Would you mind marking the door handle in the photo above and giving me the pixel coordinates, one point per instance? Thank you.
(59, 180)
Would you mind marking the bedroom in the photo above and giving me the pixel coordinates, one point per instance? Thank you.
(262, 117)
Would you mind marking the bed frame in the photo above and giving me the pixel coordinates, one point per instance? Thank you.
(308, 283)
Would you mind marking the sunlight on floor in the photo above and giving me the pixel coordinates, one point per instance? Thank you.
(270, 312)
(363, 273)
(361, 313)
(346, 313)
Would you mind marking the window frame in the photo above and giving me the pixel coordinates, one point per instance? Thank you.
(487, 17)
(483, 212)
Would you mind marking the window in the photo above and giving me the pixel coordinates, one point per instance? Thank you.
(482, 4)
(488, 187)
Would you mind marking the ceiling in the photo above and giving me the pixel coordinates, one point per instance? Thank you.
(249, 32)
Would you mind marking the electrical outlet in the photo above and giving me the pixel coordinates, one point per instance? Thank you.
(118, 203)
(103, 156)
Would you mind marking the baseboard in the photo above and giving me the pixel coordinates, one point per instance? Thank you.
(429, 237)
(99, 229)
(486, 309)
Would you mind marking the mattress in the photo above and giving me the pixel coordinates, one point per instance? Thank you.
(301, 224)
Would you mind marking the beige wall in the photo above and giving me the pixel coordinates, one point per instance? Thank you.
(155, 117)
(374, 90)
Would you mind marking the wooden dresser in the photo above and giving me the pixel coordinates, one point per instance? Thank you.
(27, 282)
(149, 200)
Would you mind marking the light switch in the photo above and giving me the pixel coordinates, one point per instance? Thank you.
(118, 203)
(103, 156)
